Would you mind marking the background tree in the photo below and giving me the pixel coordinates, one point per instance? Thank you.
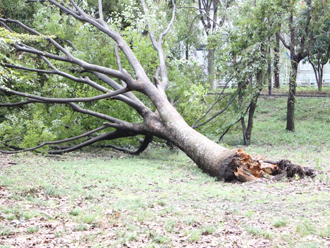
(302, 19)
(242, 57)
(277, 62)
(212, 14)
(187, 30)
(320, 52)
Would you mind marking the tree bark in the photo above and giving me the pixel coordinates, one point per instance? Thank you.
(269, 73)
(276, 62)
(247, 131)
(318, 71)
(247, 134)
(292, 96)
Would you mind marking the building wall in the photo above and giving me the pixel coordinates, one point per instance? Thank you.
(306, 76)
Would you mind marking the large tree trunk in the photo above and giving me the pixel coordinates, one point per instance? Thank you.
(217, 161)
(227, 165)
(291, 97)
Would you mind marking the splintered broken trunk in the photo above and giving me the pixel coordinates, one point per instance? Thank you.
(210, 157)
(243, 167)
(225, 164)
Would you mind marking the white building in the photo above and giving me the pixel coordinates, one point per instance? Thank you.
(305, 76)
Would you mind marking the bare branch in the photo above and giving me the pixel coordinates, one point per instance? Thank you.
(58, 141)
(118, 58)
(170, 24)
(147, 140)
(108, 136)
(26, 68)
(7, 27)
(201, 12)
(116, 123)
(283, 41)
(79, 146)
(103, 26)
(66, 100)
(129, 98)
(119, 63)
(71, 44)
(221, 111)
(25, 48)
(31, 30)
(219, 98)
(87, 66)
(162, 86)
(157, 72)
(224, 133)
(123, 75)
(85, 80)
(100, 10)
(19, 103)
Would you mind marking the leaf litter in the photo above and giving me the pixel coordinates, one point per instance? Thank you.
(170, 207)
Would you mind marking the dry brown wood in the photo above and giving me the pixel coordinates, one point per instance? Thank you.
(244, 167)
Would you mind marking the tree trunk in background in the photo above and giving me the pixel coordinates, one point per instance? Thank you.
(269, 73)
(291, 97)
(247, 131)
(318, 71)
(276, 63)
(210, 69)
(320, 78)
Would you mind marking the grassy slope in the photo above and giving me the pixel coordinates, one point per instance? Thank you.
(105, 199)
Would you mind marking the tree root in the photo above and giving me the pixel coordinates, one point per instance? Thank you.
(243, 168)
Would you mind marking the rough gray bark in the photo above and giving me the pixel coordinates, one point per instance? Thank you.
(276, 62)
(290, 126)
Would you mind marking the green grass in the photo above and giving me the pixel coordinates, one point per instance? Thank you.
(80, 227)
(5, 231)
(257, 231)
(161, 199)
(279, 222)
(306, 228)
(193, 235)
(325, 232)
(75, 212)
(208, 230)
(32, 229)
(88, 218)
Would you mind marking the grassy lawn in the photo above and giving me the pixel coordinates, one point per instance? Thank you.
(161, 199)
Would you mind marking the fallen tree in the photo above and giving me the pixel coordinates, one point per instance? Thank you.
(165, 122)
